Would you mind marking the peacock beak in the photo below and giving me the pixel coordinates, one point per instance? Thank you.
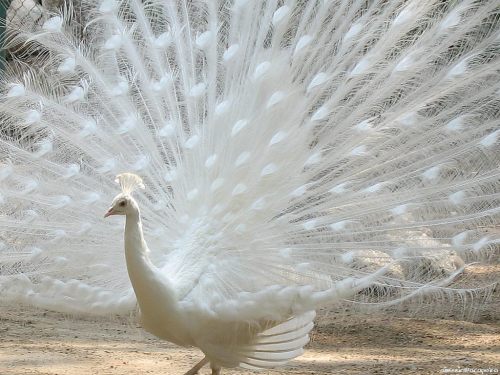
(110, 212)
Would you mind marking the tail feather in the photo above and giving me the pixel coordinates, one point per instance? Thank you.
(279, 344)
(282, 145)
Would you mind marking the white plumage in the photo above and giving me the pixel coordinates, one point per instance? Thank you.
(294, 154)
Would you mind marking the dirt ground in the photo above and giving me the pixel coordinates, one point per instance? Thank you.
(40, 342)
(37, 342)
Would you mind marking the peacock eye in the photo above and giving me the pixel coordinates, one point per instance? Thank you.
(122, 204)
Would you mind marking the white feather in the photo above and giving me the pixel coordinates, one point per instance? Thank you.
(295, 154)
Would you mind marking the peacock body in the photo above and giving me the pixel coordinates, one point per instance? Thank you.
(293, 153)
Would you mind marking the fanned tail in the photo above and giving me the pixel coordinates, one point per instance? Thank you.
(294, 153)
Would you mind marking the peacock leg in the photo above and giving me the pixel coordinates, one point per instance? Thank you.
(215, 369)
(197, 367)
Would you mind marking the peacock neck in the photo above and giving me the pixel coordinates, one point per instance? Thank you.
(156, 297)
(146, 279)
(134, 238)
(139, 265)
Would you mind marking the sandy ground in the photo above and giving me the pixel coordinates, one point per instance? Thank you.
(343, 342)
(38, 342)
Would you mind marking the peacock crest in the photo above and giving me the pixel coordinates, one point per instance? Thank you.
(129, 182)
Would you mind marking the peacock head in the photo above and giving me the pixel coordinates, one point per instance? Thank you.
(123, 203)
